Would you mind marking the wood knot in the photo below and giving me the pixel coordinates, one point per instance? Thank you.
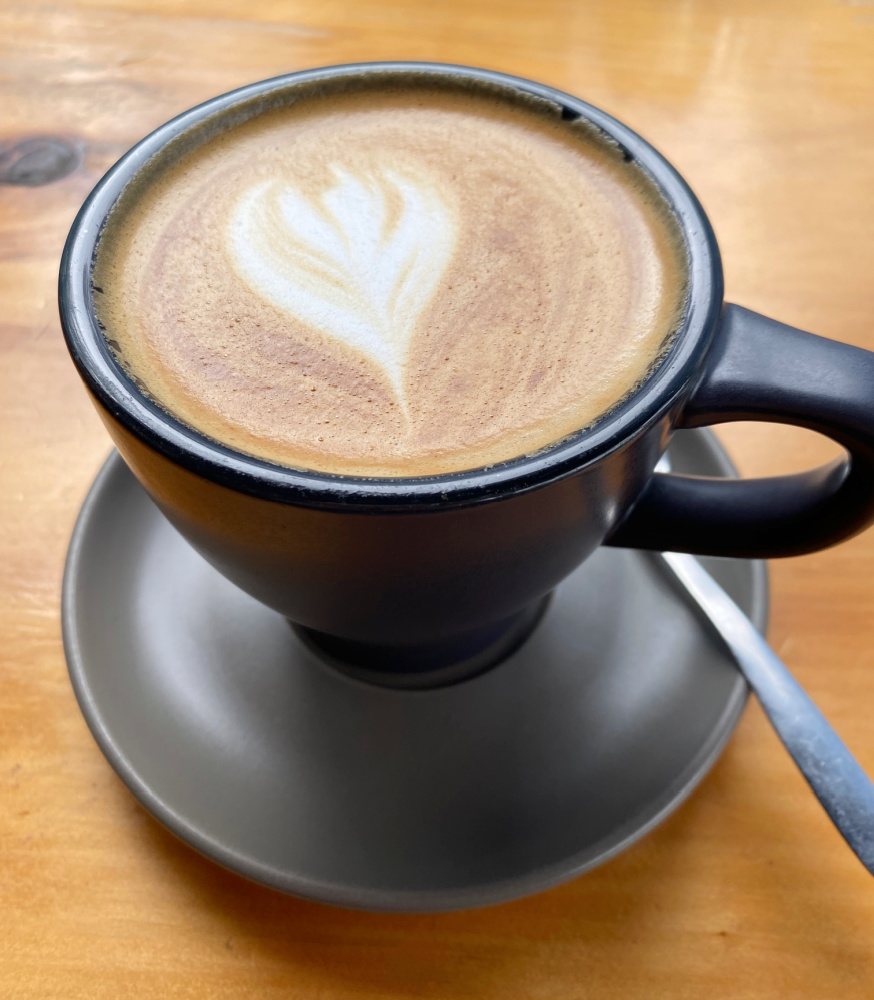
(37, 161)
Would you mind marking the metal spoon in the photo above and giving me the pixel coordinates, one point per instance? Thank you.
(842, 787)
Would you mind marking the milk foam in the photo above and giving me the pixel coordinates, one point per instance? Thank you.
(393, 282)
(342, 264)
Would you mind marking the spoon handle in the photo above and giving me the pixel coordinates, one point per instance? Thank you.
(834, 774)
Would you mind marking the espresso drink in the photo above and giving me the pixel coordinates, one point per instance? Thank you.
(399, 280)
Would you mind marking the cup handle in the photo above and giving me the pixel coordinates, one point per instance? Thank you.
(758, 369)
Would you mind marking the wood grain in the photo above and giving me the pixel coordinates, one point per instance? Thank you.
(768, 110)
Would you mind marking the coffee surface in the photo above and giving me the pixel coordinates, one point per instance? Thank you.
(394, 282)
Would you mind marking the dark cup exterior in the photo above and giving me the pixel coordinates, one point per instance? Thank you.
(397, 576)
(416, 563)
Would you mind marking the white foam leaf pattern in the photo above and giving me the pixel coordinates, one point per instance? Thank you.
(360, 264)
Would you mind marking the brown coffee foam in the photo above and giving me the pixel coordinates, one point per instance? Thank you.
(566, 278)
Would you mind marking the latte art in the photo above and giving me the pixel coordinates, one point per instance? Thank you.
(360, 264)
(391, 282)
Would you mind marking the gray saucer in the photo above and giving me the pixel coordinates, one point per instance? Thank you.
(236, 737)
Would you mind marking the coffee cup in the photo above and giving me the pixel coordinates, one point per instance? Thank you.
(421, 579)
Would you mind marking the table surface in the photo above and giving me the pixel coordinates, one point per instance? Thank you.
(747, 891)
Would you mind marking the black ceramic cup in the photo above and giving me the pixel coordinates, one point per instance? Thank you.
(420, 581)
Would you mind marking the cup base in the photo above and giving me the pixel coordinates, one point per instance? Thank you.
(427, 666)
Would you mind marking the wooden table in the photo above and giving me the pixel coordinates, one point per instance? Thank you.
(747, 891)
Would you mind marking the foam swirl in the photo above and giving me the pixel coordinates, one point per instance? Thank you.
(360, 264)
(393, 282)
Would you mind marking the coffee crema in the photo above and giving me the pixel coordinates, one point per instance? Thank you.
(394, 281)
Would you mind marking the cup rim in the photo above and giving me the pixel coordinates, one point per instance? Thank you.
(661, 390)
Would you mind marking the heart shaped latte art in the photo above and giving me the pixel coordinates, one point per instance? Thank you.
(360, 263)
